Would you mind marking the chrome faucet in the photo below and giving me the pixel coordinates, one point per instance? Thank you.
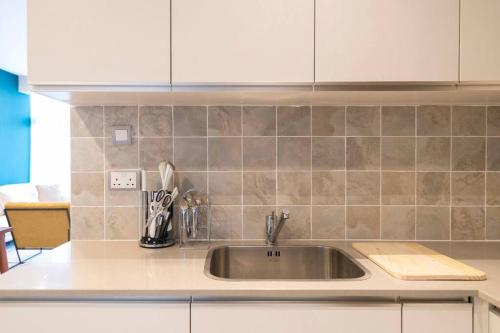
(272, 228)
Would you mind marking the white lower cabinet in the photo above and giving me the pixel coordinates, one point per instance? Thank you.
(437, 318)
(294, 317)
(494, 321)
(94, 317)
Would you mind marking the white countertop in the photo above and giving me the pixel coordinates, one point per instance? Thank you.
(110, 269)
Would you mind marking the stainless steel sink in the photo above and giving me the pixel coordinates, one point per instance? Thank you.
(282, 263)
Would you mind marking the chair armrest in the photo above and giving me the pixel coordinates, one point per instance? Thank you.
(37, 205)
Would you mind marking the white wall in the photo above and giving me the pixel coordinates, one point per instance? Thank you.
(13, 36)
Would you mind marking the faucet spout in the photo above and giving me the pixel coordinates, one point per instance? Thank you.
(273, 229)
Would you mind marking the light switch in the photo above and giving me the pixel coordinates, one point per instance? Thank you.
(122, 135)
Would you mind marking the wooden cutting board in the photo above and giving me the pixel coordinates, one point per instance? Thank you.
(412, 261)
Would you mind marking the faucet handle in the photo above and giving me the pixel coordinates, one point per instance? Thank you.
(270, 223)
(285, 213)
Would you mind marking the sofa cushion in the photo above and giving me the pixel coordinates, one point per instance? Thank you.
(50, 193)
(17, 193)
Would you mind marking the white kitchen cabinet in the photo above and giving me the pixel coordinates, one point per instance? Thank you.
(274, 317)
(387, 40)
(242, 41)
(96, 42)
(437, 318)
(494, 321)
(479, 40)
(84, 317)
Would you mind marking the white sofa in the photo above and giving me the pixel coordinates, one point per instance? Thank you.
(27, 192)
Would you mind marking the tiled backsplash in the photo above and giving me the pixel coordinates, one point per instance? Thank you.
(355, 172)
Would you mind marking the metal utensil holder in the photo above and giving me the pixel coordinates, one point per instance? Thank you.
(194, 222)
(164, 236)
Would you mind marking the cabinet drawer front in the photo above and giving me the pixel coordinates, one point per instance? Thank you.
(251, 317)
(494, 321)
(437, 318)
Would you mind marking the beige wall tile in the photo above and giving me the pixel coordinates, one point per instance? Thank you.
(363, 222)
(224, 120)
(254, 221)
(493, 223)
(294, 188)
(120, 116)
(259, 154)
(328, 222)
(294, 154)
(433, 223)
(467, 188)
(363, 120)
(259, 121)
(294, 120)
(259, 188)
(87, 223)
(225, 188)
(190, 121)
(398, 121)
(433, 154)
(468, 154)
(363, 153)
(121, 197)
(122, 223)
(121, 156)
(155, 150)
(467, 223)
(153, 181)
(493, 188)
(469, 120)
(224, 154)
(87, 154)
(155, 121)
(328, 188)
(189, 180)
(434, 120)
(363, 188)
(493, 120)
(328, 153)
(87, 189)
(433, 188)
(328, 120)
(398, 223)
(398, 154)
(190, 154)
(493, 154)
(87, 121)
(226, 222)
(298, 226)
(398, 188)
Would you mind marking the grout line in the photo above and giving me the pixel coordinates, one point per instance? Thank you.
(276, 156)
(450, 224)
(380, 174)
(485, 175)
(310, 174)
(242, 178)
(416, 174)
(345, 173)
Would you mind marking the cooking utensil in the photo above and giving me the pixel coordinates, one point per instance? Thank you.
(166, 171)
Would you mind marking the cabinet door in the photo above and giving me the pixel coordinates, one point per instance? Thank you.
(251, 317)
(494, 321)
(437, 318)
(242, 41)
(479, 40)
(96, 42)
(84, 317)
(387, 40)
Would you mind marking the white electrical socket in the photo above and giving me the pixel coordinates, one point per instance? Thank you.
(123, 180)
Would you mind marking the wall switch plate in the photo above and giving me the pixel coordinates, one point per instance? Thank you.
(123, 180)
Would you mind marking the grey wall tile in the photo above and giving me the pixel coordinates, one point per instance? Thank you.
(190, 121)
(155, 121)
(398, 188)
(87, 121)
(259, 188)
(254, 221)
(328, 153)
(398, 223)
(154, 150)
(493, 126)
(294, 120)
(469, 120)
(87, 154)
(153, 181)
(122, 223)
(433, 154)
(328, 222)
(493, 223)
(363, 222)
(190, 180)
(87, 189)
(121, 156)
(398, 120)
(259, 154)
(493, 154)
(298, 226)
(259, 121)
(328, 121)
(363, 188)
(493, 188)
(225, 188)
(363, 153)
(224, 154)
(433, 188)
(87, 223)
(294, 188)
(224, 120)
(328, 188)
(467, 188)
(398, 154)
(226, 222)
(468, 154)
(433, 223)
(120, 116)
(190, 154)
(294, 153)
(434, 120)
(363, 121)
(467, 223)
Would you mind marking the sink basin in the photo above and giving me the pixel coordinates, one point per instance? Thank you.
(282, 263)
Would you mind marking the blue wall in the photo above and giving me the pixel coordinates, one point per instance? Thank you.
(15, 126)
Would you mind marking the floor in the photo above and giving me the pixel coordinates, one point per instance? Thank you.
(12, 256)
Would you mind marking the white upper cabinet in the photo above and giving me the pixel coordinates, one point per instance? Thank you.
(480, 40)
(97, 42)
(242, 41)
(387, 40)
